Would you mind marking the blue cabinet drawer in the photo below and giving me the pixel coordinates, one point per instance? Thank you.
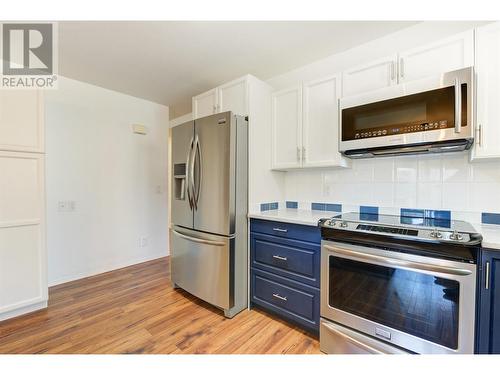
(291, 300)
(286, 230)
(293, 259)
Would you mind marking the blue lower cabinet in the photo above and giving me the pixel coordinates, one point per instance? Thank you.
(488, 327)
(290, 300)
(285, 271)
(296, 260)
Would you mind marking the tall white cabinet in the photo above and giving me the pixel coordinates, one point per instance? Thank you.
(23, 257)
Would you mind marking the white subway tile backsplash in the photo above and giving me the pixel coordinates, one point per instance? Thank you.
(405, 169)
(382, 194)
(447, 181)
(456, 168)
(429, 195)
(429, 168)
(456, 196)
(405, 195)
(485, 196)
(486, 171)
(383, 170)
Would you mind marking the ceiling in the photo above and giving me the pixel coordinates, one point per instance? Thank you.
(168, 62)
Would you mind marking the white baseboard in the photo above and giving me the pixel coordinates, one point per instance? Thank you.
(23, 310)
(105, 268)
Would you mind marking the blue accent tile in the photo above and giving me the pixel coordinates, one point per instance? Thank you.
(412, 212)
(273, 206)
(264, 206)
(318, 206)
(437, 214)
(371, 210)
(333, 207)
(292, 204)
(490, 218)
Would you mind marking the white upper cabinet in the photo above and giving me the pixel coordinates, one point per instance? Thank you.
(320, 126)
(287, 128)
(442, 56)
(233, 96)
(487, 139)
(205, 104)
(372, 76)
(21, 120)
(305, 125)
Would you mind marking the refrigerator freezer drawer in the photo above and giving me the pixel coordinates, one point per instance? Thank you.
(202, 265)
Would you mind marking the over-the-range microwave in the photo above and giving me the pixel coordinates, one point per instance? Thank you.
(428, 115)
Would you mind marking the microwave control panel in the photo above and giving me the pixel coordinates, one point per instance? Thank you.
(395, 130)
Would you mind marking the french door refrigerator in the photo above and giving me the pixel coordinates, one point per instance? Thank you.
(209, 210)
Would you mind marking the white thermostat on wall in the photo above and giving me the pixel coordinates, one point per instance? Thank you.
(139, 129)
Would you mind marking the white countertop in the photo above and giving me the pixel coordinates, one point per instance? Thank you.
(490, 233)
(294, 216)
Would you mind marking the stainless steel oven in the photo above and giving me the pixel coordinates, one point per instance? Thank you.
(380, 301)
(429, 115)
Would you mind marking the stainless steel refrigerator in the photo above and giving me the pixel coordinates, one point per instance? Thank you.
(209, 210)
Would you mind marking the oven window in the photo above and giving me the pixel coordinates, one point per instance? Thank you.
(412, 302)
(426, 111)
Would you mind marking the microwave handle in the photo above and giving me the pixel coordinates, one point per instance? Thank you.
(458, 106)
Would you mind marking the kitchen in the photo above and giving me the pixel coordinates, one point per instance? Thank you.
(347, 204)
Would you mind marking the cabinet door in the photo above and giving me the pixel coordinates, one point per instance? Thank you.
(488, 336)
(372, 76)
(21, 120)
(443, 56)
(487, 144)
(321, 123)
(23, 270)
(233, 97)
(287, 128)
(205, 104)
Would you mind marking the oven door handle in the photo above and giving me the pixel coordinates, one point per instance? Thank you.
(399, 262)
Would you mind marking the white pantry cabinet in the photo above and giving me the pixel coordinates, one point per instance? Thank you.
(448, 54)
(23, 258)
(231, 96)
(371, 76)
(487, 139)
(305, 125)
(21, 120)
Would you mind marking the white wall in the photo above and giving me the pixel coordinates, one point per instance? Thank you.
(431, 181)
(181, 119)
(117, 179)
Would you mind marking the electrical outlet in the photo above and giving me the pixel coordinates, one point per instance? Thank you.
(143, 241)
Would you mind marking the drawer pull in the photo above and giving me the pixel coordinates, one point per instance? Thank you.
(279, 297)
(280, 258)
(280, 230)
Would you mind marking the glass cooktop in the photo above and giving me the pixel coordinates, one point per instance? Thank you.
(407, 221)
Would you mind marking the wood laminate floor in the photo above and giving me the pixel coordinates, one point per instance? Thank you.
(136, 310)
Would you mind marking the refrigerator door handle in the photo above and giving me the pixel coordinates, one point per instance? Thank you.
(191, 171)
(197, 182)
(188, 180)
(198, 240)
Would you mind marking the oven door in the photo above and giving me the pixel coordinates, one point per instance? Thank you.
(424, 111)
(421, 304)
